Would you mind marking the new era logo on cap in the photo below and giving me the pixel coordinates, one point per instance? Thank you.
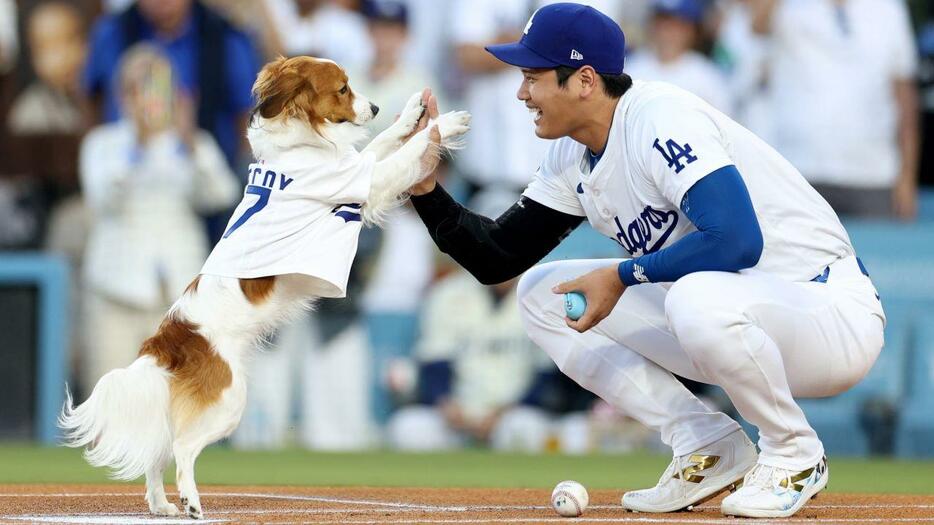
(567, 34)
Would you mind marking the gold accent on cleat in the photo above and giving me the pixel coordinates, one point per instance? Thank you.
(804, 474)
(700, 463)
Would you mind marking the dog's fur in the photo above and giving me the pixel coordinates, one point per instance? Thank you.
(187, 389)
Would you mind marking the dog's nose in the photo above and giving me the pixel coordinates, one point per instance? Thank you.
(374, 108)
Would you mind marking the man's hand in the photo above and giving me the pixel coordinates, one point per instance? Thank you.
(602, 288)
(430, 158)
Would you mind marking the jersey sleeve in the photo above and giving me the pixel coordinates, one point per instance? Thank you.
(551, 187)
(676, 144)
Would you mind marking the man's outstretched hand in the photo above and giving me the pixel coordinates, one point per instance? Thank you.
(431, 156)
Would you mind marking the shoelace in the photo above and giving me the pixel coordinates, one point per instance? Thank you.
(676, 464)
(769, 478)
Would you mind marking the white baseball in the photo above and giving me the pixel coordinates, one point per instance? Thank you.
(569, 499)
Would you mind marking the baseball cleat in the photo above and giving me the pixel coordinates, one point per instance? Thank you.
(694, 478)
(771, 492)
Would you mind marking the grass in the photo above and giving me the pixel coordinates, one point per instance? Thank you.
(472, 468)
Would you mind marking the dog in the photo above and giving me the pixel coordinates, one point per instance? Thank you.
(291, 240)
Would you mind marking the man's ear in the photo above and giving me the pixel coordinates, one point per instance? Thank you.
(587, 77)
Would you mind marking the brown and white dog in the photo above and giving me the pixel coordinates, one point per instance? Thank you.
(187, 388)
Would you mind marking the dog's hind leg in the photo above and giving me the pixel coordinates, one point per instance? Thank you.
(186, 452)
(155, 493)
(216, 422)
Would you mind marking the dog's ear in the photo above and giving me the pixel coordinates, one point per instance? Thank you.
(277, 85)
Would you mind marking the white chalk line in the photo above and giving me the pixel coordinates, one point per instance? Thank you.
(290, 497)
(472, 508)
(107, 520)
(414, 506)
(399, 507)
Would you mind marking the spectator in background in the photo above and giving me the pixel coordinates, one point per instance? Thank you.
(216, 63)
(670, 54)
(844, 99)
(387, 80)
(476, 363)
(502, 148)
(927, 87)
(404, 264)
(323, 28)
(145, 177)
(744, 55)
(58, 47)
(9, 37)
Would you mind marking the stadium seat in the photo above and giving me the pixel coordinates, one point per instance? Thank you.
(915, 436)
(926, 205)
(391, 336)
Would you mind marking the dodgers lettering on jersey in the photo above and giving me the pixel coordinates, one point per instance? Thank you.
(647, 232)
(662, 141)
(299, 215)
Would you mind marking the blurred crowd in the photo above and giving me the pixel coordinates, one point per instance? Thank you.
(124, 148)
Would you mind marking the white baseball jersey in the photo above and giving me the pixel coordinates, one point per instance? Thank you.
(662, 141)
(300, 215)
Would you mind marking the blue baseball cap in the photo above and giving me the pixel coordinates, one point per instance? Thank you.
(385, 11)
(567, 34)
(690, 10)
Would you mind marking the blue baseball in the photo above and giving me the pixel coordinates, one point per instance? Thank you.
(574, 305)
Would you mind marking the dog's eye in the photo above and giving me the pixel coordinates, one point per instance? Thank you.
(343, 90)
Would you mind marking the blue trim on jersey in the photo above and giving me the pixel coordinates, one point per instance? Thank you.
(594, 158)
(728, 237)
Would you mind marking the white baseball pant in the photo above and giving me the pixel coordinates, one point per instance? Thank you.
(761, 338)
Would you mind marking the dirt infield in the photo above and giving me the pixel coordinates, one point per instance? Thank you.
(123, 504)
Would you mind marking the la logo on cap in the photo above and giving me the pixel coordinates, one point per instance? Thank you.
(529, 24)
(576, 55)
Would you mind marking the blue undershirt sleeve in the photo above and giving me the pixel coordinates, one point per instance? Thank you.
(728, 237)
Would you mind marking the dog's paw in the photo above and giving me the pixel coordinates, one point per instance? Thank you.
(194, 511)
(163, 509)
(410, 115)
(192, 508)
(453, 126)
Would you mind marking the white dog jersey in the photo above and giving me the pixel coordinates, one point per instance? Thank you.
(662, 141)
(298, 215)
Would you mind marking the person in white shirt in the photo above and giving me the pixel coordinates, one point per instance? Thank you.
(743, 54)
(321, 28)
(145, 178)
(844, 99)
(670, 55)
(499, 151)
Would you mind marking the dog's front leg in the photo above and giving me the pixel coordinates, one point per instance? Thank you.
(396, 173)
(399, 171)
(391, 139)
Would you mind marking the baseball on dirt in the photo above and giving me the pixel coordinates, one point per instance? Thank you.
(569, 499)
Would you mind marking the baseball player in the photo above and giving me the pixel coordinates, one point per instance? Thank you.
(740, 275)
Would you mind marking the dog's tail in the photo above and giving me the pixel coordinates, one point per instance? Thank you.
(125, 423)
